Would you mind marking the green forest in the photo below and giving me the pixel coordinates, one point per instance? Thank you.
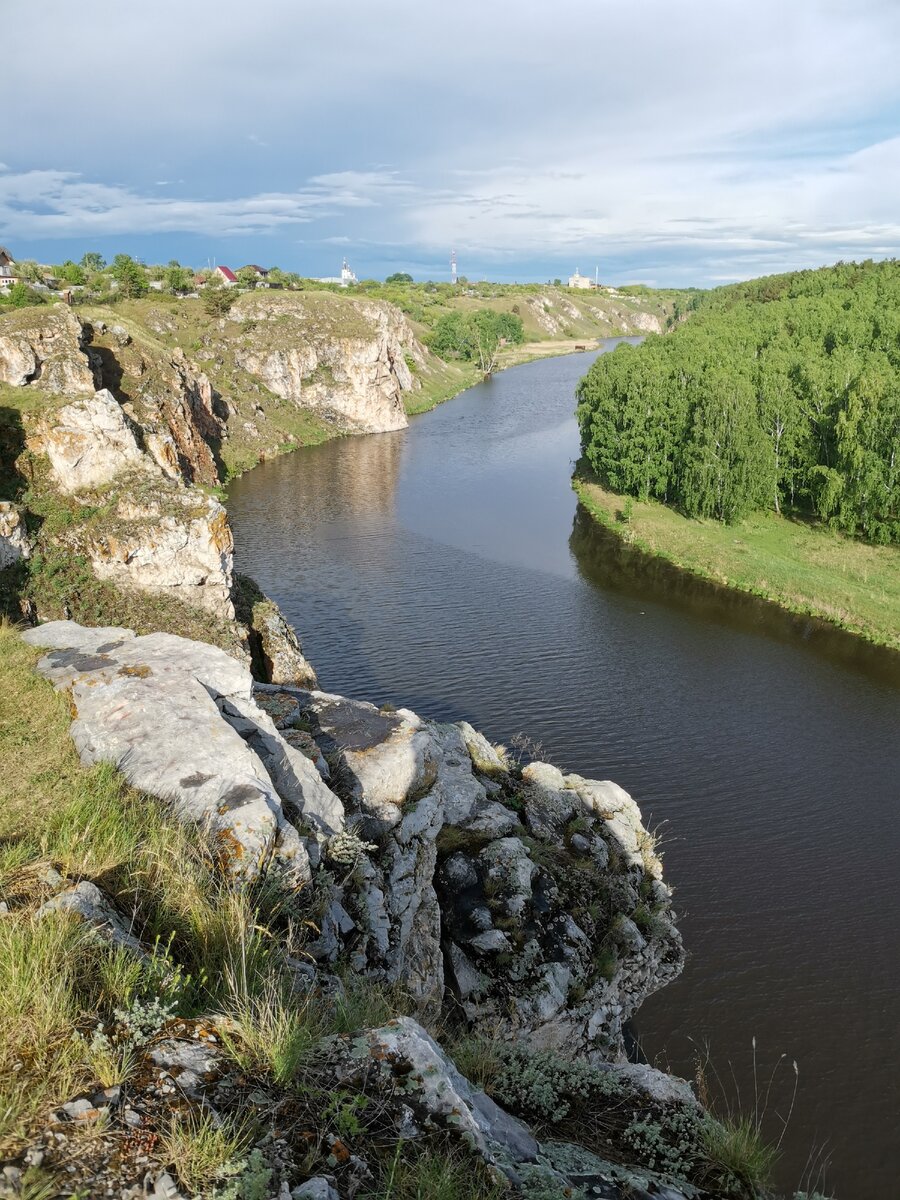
(781, 393)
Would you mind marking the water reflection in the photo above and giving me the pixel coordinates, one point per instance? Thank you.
(607, 562)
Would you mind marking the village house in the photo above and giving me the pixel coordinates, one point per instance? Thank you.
(227, 276)
(8, 273)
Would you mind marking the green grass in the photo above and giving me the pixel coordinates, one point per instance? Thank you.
(740, 1153)
(798, 564)
(416, 1173)
(54, 981)
(59, 581)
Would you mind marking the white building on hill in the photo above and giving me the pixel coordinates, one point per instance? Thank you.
(8, 273)
(581, 281)
(345, 279)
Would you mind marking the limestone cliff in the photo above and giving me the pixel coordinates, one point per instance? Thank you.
(45, 348)
(119, 469)
(343, 357)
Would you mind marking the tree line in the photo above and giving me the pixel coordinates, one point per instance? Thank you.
(783, 392)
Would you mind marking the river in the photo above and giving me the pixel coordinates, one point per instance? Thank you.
(448, 568)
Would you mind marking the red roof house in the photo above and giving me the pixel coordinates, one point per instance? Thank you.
(228, 275)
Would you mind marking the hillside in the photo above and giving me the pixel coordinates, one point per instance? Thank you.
(118, 424)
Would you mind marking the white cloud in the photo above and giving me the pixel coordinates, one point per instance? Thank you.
(52, 203)
(729, 136)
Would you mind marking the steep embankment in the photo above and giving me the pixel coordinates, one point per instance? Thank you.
(288, 368)
(113, 441)
(518, 914)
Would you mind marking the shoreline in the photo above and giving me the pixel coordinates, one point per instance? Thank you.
(594, 498)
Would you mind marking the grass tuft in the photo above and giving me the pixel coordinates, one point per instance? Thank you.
(199, 1147)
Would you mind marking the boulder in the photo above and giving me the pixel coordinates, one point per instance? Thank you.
(148, 705)
(410, 1072)
(87, 902)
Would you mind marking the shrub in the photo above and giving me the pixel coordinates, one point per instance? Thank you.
(545, 1087)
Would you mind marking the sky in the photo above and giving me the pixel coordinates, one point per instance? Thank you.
(673, 144)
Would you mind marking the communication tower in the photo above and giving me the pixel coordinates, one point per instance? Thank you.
(453, 266)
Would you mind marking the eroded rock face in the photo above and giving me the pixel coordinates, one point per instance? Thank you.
(176, 542)
(535, 897)
(349, 363)
(176, 407)
(46, 347)
(89, 442)
(15, 543)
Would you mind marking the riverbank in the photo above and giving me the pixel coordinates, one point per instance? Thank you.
(799, 565)
(449, 379)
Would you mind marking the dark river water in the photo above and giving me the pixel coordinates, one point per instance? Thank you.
(448, 568)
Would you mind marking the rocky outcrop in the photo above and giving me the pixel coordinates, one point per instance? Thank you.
(639, 322)
(536, 897)
(274, 646)
(340, 356)
(89, 442)
(15, 542)
(172, 402)
(46, 347)
(533, 897)
(150, 705)
(170, 541)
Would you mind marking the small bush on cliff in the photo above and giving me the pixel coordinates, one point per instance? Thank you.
(545, 1087)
